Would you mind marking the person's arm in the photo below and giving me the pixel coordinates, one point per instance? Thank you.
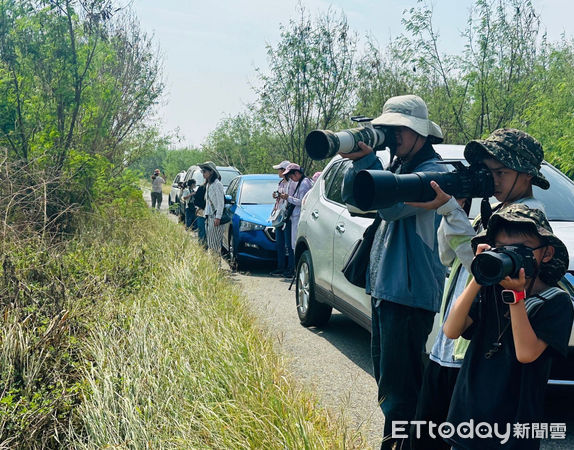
(458, 319)
(456, 233)
(366, 159)
(527, 345)
(297, 197)
(218, 201)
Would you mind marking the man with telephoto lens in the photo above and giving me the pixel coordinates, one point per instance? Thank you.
(405, 277)
(514, 159)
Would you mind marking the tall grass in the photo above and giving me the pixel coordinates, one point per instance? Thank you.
(181, 362)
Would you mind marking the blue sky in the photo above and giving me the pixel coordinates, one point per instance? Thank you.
(210, 49)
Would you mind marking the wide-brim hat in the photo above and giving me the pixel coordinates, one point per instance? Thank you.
(156, 171)
(282, 165)
(550, 272)
(210, 165)
(409, 111)
(514, 148)
(292, 167)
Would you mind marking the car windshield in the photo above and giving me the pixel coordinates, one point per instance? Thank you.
(227, 176)
(258, 192)
(558, 200)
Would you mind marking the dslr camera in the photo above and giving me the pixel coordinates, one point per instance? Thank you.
(492, 266)
(275, 194)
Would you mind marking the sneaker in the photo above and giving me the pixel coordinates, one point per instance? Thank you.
(277, 273)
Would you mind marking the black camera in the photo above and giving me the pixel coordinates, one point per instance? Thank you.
(276, 194)
(321, 144)
(492, 266)
(377, 189)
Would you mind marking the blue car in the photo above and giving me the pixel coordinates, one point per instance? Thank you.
(249, 237)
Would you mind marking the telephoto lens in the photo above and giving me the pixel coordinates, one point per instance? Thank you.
(377, 189)
(321, 144)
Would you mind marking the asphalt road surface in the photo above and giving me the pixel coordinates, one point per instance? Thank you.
(335, 361)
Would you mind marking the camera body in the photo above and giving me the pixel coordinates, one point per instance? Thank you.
(276, 194)
(492, 266)
(321, 144)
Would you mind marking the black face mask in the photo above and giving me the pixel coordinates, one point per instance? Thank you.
(492, 266)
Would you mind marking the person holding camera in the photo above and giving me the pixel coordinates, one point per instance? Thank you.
(156, 191)
(300, 185)
(282, 234)
(214, 204)
(517, 321)
(199, 202)
(405, 277)
(187, 197)
(514, 159)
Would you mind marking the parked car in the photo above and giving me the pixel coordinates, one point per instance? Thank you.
(327, 233)
(249, 237)
(227, 173)
(175, 192)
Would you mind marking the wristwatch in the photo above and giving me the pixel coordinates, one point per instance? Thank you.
(511, 297)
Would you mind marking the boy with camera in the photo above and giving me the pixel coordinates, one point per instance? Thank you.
(515, 328)
(513, 158)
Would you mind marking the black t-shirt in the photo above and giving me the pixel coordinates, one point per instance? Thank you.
(501, 390)
(199, 197)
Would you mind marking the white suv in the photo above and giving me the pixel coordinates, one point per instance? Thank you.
(328, 232)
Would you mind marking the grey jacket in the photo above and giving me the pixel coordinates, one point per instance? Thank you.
(404, 264)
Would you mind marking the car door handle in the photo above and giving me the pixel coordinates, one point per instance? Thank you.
(315, 214)
(340, 227)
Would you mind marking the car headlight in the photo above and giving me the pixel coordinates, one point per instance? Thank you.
(250, 226)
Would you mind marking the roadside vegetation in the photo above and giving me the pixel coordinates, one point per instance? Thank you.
(128, 334)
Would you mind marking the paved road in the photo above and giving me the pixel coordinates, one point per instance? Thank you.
(335, 361)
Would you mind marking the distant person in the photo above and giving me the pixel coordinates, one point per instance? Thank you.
(214, 204)
(199, 201)
(156, 191)
(189, 205)
(300, 185)
(282, 234)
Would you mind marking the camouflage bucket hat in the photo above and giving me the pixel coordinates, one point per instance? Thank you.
(514, 148)
(551, 271)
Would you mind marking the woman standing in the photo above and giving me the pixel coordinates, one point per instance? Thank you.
(300, 185)
(282, 234)
(214, 204)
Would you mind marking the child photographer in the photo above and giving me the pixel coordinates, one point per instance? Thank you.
(514, 159)
(406, 277)
(515, 329)
(282, 234)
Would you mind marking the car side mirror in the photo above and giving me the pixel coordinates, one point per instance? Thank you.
(229, 200)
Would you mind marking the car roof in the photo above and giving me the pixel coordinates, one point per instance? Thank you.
(260, 176)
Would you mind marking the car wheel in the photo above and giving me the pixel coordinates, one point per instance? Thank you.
(310, 311)
(233, 258)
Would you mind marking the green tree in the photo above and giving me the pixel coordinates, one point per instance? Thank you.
(310, 80)
(241, 141)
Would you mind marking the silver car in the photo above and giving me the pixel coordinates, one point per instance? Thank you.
(328, 232)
